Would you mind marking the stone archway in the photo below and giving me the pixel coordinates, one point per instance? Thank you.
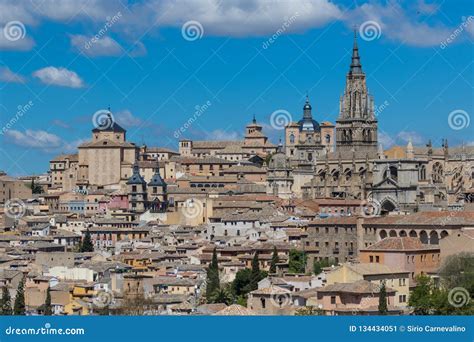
(424, 237)
(393, 233)
(413, 234)
(434, 238)
(388, 205)
(402, 233)
(383, 234)
(444, 233)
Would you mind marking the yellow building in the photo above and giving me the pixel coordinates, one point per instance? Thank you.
(396, 279)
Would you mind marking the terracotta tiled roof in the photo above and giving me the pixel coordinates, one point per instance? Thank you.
(360, 286)
(427, 218)
(342, 220)
(271, 290)
(374, 268)
(235, 310)
(401, 244)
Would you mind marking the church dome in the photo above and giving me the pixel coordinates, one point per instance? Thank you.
(278, 161)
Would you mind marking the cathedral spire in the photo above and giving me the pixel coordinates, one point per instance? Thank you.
(307, 109)
(356, 67)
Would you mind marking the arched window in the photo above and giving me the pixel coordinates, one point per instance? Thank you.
(292, 138)
(437, 173)
(393, 171)
(328, 140)
(422, 173)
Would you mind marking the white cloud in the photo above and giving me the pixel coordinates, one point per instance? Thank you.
(220, 134)
(235, 18)
(127, 119)
(42, 140)
(94, 47)
(138, 50)
(34, 138)
(59, 10)
(8, 76)
(426, 8)
(20, 44)
(246, 18)
(397, 25)
(385, 139)
(59, 76)
(415, 137)
(401, 138)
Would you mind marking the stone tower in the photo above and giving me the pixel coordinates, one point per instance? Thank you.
(279, 175)
(157, 193)
(356, 127)
(137, 192)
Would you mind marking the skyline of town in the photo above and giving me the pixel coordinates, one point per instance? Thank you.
(344, 203)
(155, 92)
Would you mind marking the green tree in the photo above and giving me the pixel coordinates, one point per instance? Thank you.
(35, 188)
(6, 304)
(309, 311)
(420, 298)
(383, 300)
(241, 282)
(255, 275)
(297, 261)
(48, 309)
(458, 271)
(213, 282)
(19, 305)
(86, 244)
(275, 261)
(319, 265)
(222, 295)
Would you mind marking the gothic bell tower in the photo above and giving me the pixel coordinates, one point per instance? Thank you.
(356, 126)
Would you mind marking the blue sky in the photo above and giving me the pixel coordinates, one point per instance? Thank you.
(249, 57)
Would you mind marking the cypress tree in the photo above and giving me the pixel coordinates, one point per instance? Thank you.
(48, 310)
(255, 276)
(19, 305)
(86, 244)
(213, 283)
(275, 260)
(383, 300)
(6, 307)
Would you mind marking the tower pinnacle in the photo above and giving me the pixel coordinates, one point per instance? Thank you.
(356, 67)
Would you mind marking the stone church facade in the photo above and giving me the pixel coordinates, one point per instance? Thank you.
(354, 166)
